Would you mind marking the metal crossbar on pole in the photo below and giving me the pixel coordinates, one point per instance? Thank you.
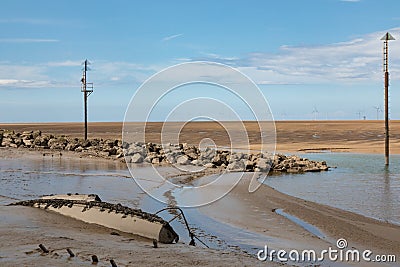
(86, 89)
(386, 38)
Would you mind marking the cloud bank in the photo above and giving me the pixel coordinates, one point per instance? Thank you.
(358, 60)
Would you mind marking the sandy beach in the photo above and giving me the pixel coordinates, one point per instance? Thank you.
(291, 136)
(23, 228)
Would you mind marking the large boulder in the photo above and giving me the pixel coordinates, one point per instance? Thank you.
(236, 166)
(27, 135)
(219, 159)
(263, 164)
(183, 160)
(207, 154)
(41, 141)
(136, 158)
(27, 142)
(7, 141)
(8, 134)
(36, 133)
(18, 141)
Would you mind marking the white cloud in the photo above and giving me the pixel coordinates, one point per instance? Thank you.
(122, 72)
(169, 38)
(25, 83)
(66, 63)
(54, 75)
(357, 60)
(8, 81)
(13, 71)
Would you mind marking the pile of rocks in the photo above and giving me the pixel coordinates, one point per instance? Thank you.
(181, 154)
(36, 140)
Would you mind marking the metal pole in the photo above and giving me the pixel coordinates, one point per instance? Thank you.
(386, 39)
(386, 118)
(86, 89)
(85, 97)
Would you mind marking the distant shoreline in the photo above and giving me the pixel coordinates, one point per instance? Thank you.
(292, 136)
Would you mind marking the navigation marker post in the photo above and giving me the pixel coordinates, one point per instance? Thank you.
(86, 89)
(386, 38)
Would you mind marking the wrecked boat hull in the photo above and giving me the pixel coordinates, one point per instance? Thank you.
(115, 216)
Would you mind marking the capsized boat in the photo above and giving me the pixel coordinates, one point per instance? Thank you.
(90, 209)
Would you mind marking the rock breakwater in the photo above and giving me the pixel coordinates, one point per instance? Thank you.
(180, 154)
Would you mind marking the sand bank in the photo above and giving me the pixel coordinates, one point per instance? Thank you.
(24, 228)
(255, 211)
(292, 136)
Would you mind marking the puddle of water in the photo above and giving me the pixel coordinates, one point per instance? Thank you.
(310, 228)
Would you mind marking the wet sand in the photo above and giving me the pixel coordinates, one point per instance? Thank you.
(24, 230)
(292, 136)
(255, 211)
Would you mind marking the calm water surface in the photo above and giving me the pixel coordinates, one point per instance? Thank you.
(360, 183)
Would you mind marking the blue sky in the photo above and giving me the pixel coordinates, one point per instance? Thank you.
(308, 55)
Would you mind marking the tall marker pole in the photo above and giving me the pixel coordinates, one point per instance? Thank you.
(86, 89)
(386, 38)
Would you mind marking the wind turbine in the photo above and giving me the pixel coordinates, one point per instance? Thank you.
(359, 115)
(378, 109)
(315, 112)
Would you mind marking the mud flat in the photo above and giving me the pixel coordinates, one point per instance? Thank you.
(292, 136)
(24, 228)
(257, 212)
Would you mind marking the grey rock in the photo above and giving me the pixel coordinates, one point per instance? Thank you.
(195, 162)
(236, 166)
(71, 147)
(137, 158)
(155, 161)
(170, 158)
(183, 160)
(27, 142)
(209, 165)
(13, 145)
(263, 164)
(36, 133)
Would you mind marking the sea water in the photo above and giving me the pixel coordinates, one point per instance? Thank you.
(360, 183)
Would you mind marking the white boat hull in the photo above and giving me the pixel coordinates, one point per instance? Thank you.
(109, 215)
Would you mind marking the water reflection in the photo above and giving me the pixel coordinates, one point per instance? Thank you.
(28, 178)
(387, 196)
